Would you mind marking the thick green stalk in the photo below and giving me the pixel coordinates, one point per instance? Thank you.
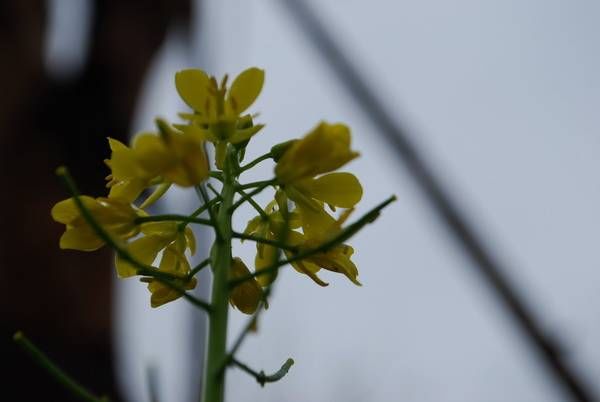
(214, 377)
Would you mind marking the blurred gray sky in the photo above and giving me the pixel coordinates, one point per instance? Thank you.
(503, 97)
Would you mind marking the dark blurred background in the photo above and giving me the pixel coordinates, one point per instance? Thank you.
(62, 299)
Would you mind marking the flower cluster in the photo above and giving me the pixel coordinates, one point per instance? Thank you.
(302, 219)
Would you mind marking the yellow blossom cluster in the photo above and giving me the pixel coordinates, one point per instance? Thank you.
(305, 181)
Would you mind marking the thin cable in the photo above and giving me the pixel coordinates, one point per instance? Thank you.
(441, 202)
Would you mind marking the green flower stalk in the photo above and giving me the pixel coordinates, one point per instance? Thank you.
(303, 226)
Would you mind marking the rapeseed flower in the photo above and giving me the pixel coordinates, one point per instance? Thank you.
(173, 242)
(303, 171)
(217, 109)
(117, 218)
(269, 228)
(319, 227)
(173, 156)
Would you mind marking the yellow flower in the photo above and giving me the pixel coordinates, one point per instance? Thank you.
(217, 109)
(115, 216)
(173, 242)
(268, 229)
(177, 156)
(127, 179)
(248, 294)
(157, 236)
(172, 157)
(319, 227)
(323, 150)
(214, 104)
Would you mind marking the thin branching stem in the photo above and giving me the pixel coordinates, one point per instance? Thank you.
(199, 268)
(201, 209)
(261, 183)
(344, 235)
(173, 217)
(260, 376)
(254, 204)
(216, 175)
(271, 242)
(56, 372)
(248, 196)
(213, 189)
(255, 162)
(213, 218)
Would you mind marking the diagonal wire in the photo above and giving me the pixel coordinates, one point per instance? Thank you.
(444, 206)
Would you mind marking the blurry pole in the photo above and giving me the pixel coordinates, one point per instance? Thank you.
(441, 202)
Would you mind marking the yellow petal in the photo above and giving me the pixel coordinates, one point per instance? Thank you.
(166, 229)
(80, 238)
(66, 211)
(245, 89)
(265, 259)
(192, 85)
(115, 215)
(253, 225)
(152, 154)
(190, 240)
(191, 167)
(246, 296)
(173, 261)
(309, 269)
(338, 260)
(145, 249)
(318, 225)
(241, 135)
(339, 189)
(162, 294)
(122, 162)
(324, 149)
(128, 190)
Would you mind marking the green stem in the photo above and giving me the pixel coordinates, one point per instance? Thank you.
(211, 213)
(260, 376)
(216, 175)
(252, 193)
(59, 375)
(255, 162)
(261, 183)
(198, 268)
(199, 210)
(213, 189)
(172, 217)
(271, 242)
(254, 204)
(214, 378)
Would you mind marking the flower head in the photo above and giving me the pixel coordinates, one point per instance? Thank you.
(156, 237)
(269, 228)
(172, 156)
(117, 217)
(303, 171)
(325, 149)
(218, 109)
(213, 103)
(318, 228)
(168, 238)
